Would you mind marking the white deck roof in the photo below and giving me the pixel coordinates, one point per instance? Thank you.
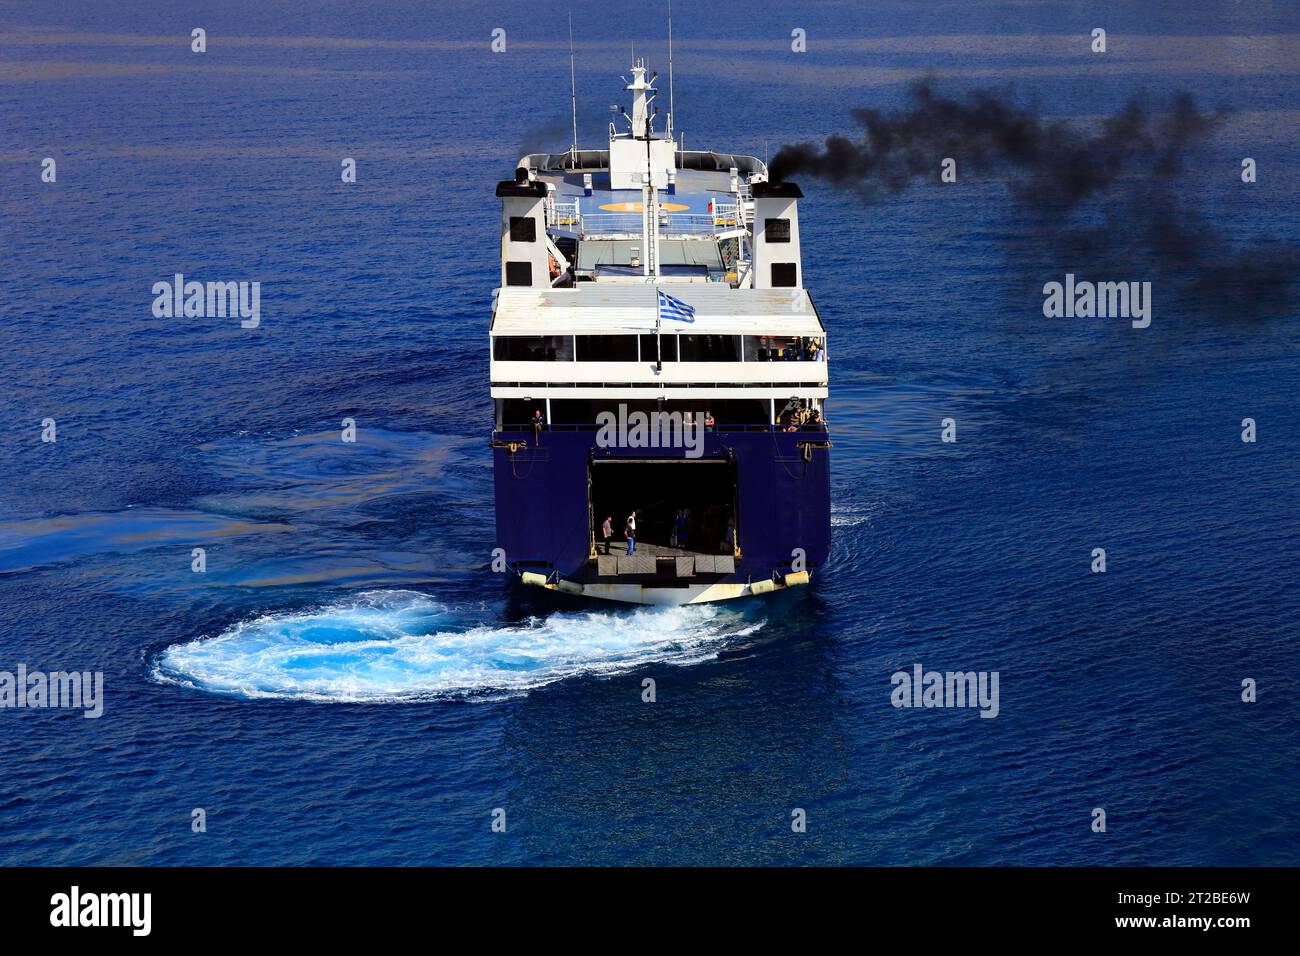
(595, 308)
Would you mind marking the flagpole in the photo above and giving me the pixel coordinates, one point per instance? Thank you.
(659, 345)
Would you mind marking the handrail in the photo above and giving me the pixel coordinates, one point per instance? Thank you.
(721, 427)
(563, 213)
(721, 217)
(689, 225)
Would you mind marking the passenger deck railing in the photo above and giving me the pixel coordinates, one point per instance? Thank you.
(721, 427)
(613, 225)
(727, 215)
(724, 217)
(562, 213)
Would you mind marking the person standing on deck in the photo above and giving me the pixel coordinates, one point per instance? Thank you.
(629, 532)
(607, 531)
(537, 424)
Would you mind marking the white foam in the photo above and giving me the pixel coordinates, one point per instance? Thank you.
(849, 517)
(390, 646)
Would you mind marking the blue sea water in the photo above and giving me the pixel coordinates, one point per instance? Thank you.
(348, 683)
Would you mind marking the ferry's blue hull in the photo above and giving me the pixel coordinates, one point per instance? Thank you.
(782, 497)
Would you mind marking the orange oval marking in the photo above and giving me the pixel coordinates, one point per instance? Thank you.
(636, 207)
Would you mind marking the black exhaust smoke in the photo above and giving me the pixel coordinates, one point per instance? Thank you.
(986, 132)
(1132, 160)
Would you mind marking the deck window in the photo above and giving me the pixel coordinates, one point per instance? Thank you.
(607, 348)
(709, 348)
(783, 275)
(778, 348)
(533, 348)
(523, 229)
(667, 343)
(520, 273)
(776, 230)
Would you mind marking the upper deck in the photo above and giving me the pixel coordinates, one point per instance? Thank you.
(701, 220)
(704, 205)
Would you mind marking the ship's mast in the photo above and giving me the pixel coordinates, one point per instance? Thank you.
(642, 129)
(672, 116)
(639, 88)
(573, 94)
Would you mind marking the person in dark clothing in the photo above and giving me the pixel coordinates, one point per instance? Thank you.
(607, 531)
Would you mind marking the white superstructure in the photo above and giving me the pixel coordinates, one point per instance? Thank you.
(588, 236)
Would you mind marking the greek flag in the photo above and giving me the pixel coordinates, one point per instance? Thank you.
(675, 309)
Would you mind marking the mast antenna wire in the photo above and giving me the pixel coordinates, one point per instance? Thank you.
(573, 94)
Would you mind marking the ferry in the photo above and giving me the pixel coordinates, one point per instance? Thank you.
(658, 373)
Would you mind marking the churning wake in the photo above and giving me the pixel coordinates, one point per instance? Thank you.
(395, 646)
